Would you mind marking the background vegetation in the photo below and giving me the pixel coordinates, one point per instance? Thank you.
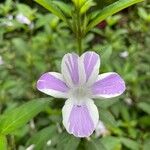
(31, 48)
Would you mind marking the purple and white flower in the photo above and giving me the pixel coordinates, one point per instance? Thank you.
(79, 83)
(23, 19)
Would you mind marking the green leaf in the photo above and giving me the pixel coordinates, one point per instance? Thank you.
(68, 142)
(94, 145)
(144, 106)
(26, 10)
(88, 4)
(146, 145)
(112, 20)
(142, 13)
(3, 142)
(40, 138)
(49, 5)
(144, 120)
(66, 8)
(111, 143)
(78, 3)
(106, 54)
(125, 113)
(103, 3)
(110, 10)
(18, 117)
(107, 117)
(106, 103)
(131, 144)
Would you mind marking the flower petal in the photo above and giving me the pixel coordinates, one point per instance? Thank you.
(72, 69)
(108, 85)
(52, 83)
(80, 120)
(91, 61)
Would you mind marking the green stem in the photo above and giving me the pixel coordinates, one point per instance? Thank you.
(79, 33)
(12, 142)
(79, 43)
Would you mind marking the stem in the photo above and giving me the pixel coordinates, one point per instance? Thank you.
(79, 32)
(79, 43)
(12, 142)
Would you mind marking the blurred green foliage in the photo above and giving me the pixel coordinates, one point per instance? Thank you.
(29, 49)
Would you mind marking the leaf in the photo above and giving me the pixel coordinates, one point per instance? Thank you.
(68, 142)
(103, 3)
(131, 144)
(87, 5)
(40, 138)
(110, 10)
(3, 142)
(111, 143)
(18, 117)
(112, 20)
(145, 107)
(146, 145)
(49, 5)
(106, 103)
(125, 113)
(142, 13)
(94, 145)
(107, 117)
(66, 8)
(144, 120)
(78, 3)
(106, 54)
(26, 10)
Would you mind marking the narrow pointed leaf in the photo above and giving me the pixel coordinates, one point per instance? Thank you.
(49, 5)
(19, 116)
(41, 138)
(103, 3)
(66, 8)
(110, 10)
(87, 6)
(145, 107)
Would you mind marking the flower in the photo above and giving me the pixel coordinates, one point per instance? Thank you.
(31, 147)
(79, 83)
(23, 19)
(101, 129)
(124, 54)
(1, 60)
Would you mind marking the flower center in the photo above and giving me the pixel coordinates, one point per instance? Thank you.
(80, 94)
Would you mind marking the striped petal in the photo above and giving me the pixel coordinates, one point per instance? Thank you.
(91, 61)
(108, 85)
(52, 83)
(72, 70)
(80, 120)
